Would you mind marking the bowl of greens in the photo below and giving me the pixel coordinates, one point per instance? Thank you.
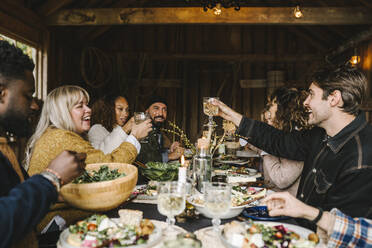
(158, 171)
(101, 187)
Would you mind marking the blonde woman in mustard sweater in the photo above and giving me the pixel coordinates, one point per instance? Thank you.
(63, 124)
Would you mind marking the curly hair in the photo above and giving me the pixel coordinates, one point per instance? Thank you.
(103, 111)
(350, 81)
(291, 113)
(13, 63)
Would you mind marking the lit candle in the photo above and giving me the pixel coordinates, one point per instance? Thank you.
(182, 160)
(182, 171)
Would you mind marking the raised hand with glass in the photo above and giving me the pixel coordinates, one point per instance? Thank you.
(210, 109)
(140, 117)
(171, 200)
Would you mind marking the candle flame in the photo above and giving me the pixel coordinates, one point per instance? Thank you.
(182, 160)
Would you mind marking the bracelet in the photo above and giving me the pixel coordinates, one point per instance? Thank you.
(52, 178)
(317, 218)
(56, 174)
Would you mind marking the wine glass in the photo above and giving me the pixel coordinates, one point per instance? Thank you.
(210, 109)
(140, 117)
(171, 200)
(217, 200)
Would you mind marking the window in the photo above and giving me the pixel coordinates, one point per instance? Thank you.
(33, 53)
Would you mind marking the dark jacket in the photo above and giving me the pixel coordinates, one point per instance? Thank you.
(152, 150)
(24, 207)
(8, 177)
(337, 170)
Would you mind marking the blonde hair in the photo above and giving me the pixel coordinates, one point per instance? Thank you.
(56, 113)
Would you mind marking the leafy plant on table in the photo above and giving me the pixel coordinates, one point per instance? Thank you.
(159, 171)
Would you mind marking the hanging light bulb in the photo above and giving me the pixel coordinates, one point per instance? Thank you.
(297, 12)
(217, 10)
(355, 58)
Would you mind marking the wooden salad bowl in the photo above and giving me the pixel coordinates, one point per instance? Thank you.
(102, 196)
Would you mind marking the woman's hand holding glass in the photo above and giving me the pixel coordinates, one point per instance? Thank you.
(139, 118)
(140, 131)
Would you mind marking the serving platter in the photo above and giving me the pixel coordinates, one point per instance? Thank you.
(237, 161)
(301, 231)
(154, 237)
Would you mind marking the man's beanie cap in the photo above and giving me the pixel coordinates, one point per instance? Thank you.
(155, 99)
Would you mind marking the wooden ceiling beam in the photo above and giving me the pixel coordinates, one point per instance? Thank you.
(196, 15)
(93, 33)
(226, 57)
(51, 6)
(21, 13)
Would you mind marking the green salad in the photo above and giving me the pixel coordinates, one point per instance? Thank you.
(159, 171)
(103, 174)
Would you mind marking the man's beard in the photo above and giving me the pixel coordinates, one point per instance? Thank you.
(158, 124)
(16, 123)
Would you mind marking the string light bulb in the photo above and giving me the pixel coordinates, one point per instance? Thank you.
(217, 10)
(297, 12)
(355, 58)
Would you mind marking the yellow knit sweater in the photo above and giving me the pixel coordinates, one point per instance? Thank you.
(52, 143)
(55, 140)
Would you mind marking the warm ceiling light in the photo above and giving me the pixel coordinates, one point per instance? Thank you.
(217, 5)
(297, 12)
(217, 10)
(354, 60)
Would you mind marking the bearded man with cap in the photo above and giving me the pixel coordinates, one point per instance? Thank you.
(159, 147)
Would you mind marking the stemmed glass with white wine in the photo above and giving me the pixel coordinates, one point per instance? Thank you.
(217, 200)
(140, 117)
(210, 109)
(171, 200)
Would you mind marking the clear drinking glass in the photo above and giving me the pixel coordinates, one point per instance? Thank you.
(210, 109)
(140, 117)
(171, 200)
(217, 200)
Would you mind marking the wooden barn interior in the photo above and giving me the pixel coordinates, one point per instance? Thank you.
(176, 49)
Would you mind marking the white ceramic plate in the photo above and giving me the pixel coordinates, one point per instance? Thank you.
(232, 161)
(247, 154)
(303, 232)
(233, 211)
(143, 196)
(154, 238)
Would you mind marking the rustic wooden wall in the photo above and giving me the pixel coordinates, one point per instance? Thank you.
(186, 62)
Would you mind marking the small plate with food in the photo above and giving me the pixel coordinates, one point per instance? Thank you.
(239, 201)
(266, 234)
(130, 230)
(261, 213)
(231, 159)
(146, 191)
